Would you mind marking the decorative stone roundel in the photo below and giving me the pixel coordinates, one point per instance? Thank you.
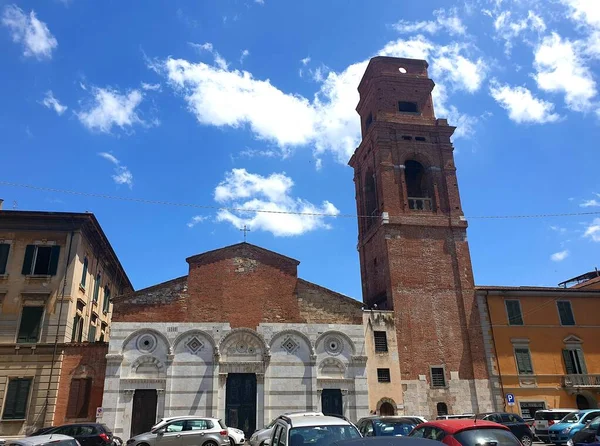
(146, 343)
(334, 345)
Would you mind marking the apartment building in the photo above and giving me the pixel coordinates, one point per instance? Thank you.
(58, 274)
(542, 346)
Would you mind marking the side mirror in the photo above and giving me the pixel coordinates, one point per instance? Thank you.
(160, 431)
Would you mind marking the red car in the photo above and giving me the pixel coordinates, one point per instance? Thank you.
(467, 432)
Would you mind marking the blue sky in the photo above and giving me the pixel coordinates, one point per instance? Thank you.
(250, 104)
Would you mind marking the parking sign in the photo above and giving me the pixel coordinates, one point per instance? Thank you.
(510, 399)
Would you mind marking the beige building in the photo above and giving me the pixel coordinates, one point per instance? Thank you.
(57, 275)
(383, 367)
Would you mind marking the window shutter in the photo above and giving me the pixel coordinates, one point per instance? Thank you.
(73, 398)
(84, 273)
(4, 248)
(28, 260)
(31, 319)
(569, 366)
(54, 255)
(75, 325)
(565, 312)
(524, 365)
(11, 397)
(513, 308)
(92, 334)
(15, 407)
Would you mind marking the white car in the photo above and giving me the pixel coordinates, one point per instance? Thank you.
(236, 436)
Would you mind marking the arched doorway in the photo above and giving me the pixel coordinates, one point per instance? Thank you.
(386, 410)
(442, 409)
(585, 401)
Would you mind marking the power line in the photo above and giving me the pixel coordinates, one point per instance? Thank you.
(267, 211)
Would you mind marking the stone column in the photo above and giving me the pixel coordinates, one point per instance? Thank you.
(260, 400)
(346, 403)
(221, 389)
(160, 404)
(319, 396)
(127, 399)
(214, 398)
(166, 397)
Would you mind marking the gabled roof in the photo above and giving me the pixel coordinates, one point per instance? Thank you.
(198, 258)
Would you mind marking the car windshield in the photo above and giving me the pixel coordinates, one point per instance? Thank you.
(571, 418)
(487, 437)
(550, 415)
(321, 435)
(392, 428)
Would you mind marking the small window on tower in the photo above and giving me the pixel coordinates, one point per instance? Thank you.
(369, 121)
(408, 107)
(380, 338)
(407, 138)
(438, 377)
(420, 138)
(383, 375)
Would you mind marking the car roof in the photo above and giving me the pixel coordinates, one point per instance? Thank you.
(556, 410)
(588, 410)
(41, 439)
(457, 425)
(319, 420)
(187, 417)
(387, 417)
(304, 414)
(387, 441)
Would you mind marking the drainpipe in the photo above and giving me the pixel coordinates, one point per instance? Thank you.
(59, 319)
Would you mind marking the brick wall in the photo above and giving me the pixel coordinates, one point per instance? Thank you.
(81, 361)
(319, 305)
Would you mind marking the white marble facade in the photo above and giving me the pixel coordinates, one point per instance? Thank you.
(188, 363)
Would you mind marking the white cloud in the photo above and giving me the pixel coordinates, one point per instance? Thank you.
(260, 2)
(122, 175)
(32, 33)
(585, 11)
(195, 220)
(245, 53)
(110, 108)
(521, 105)
(560, 69)
(450, 23)
(247, 192)
(235, 98)
(52, 103)
(593, 230)
(305, 61)
(219, 60)
(253, 153)
(151, 87)
(558, 229)
(560, 256)
(590, 203)
(509, 29)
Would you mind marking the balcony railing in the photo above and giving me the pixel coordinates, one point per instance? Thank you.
(581, 381)
(420, 204)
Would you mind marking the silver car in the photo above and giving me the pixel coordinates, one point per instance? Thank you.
(258, 438)
(184, 431)
(43, 440)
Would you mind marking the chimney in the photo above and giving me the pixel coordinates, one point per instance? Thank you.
(1, 201)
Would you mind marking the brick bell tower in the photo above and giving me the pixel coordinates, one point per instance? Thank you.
(412, 240)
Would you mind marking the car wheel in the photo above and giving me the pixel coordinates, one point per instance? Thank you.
(526, 440)
(210, 443)
(231, 441)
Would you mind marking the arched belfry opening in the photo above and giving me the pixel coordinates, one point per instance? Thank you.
(371, 208)
(419, 197)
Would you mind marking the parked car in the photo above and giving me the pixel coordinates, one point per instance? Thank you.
(44, 440)
(377, 426)
(417, 418)
(562, 431)
(588, 435)
(258, 438)
(466, 433)
(455, 417)
(543, 419)
(87, 434)
(387, 441)
(322, 430)
(184, 431)
(236, 436)
(514, 422)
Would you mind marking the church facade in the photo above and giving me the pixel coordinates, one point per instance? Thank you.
(242, 338)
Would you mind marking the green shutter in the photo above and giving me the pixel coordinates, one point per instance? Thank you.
(75, 324)
(54, 255)
(4, 248)
(565, 313)
(513, 308)
(92, 334)
(28, 260)
(569, 366)
(31, 321)
(84, 273)
(106, 303)
(17, 394)
(524, 365)
(97, 287)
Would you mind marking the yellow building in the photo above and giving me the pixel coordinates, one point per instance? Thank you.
(542, 346)
(383, 366)
(57, 275)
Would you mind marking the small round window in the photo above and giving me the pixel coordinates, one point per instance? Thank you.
(146, 343)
